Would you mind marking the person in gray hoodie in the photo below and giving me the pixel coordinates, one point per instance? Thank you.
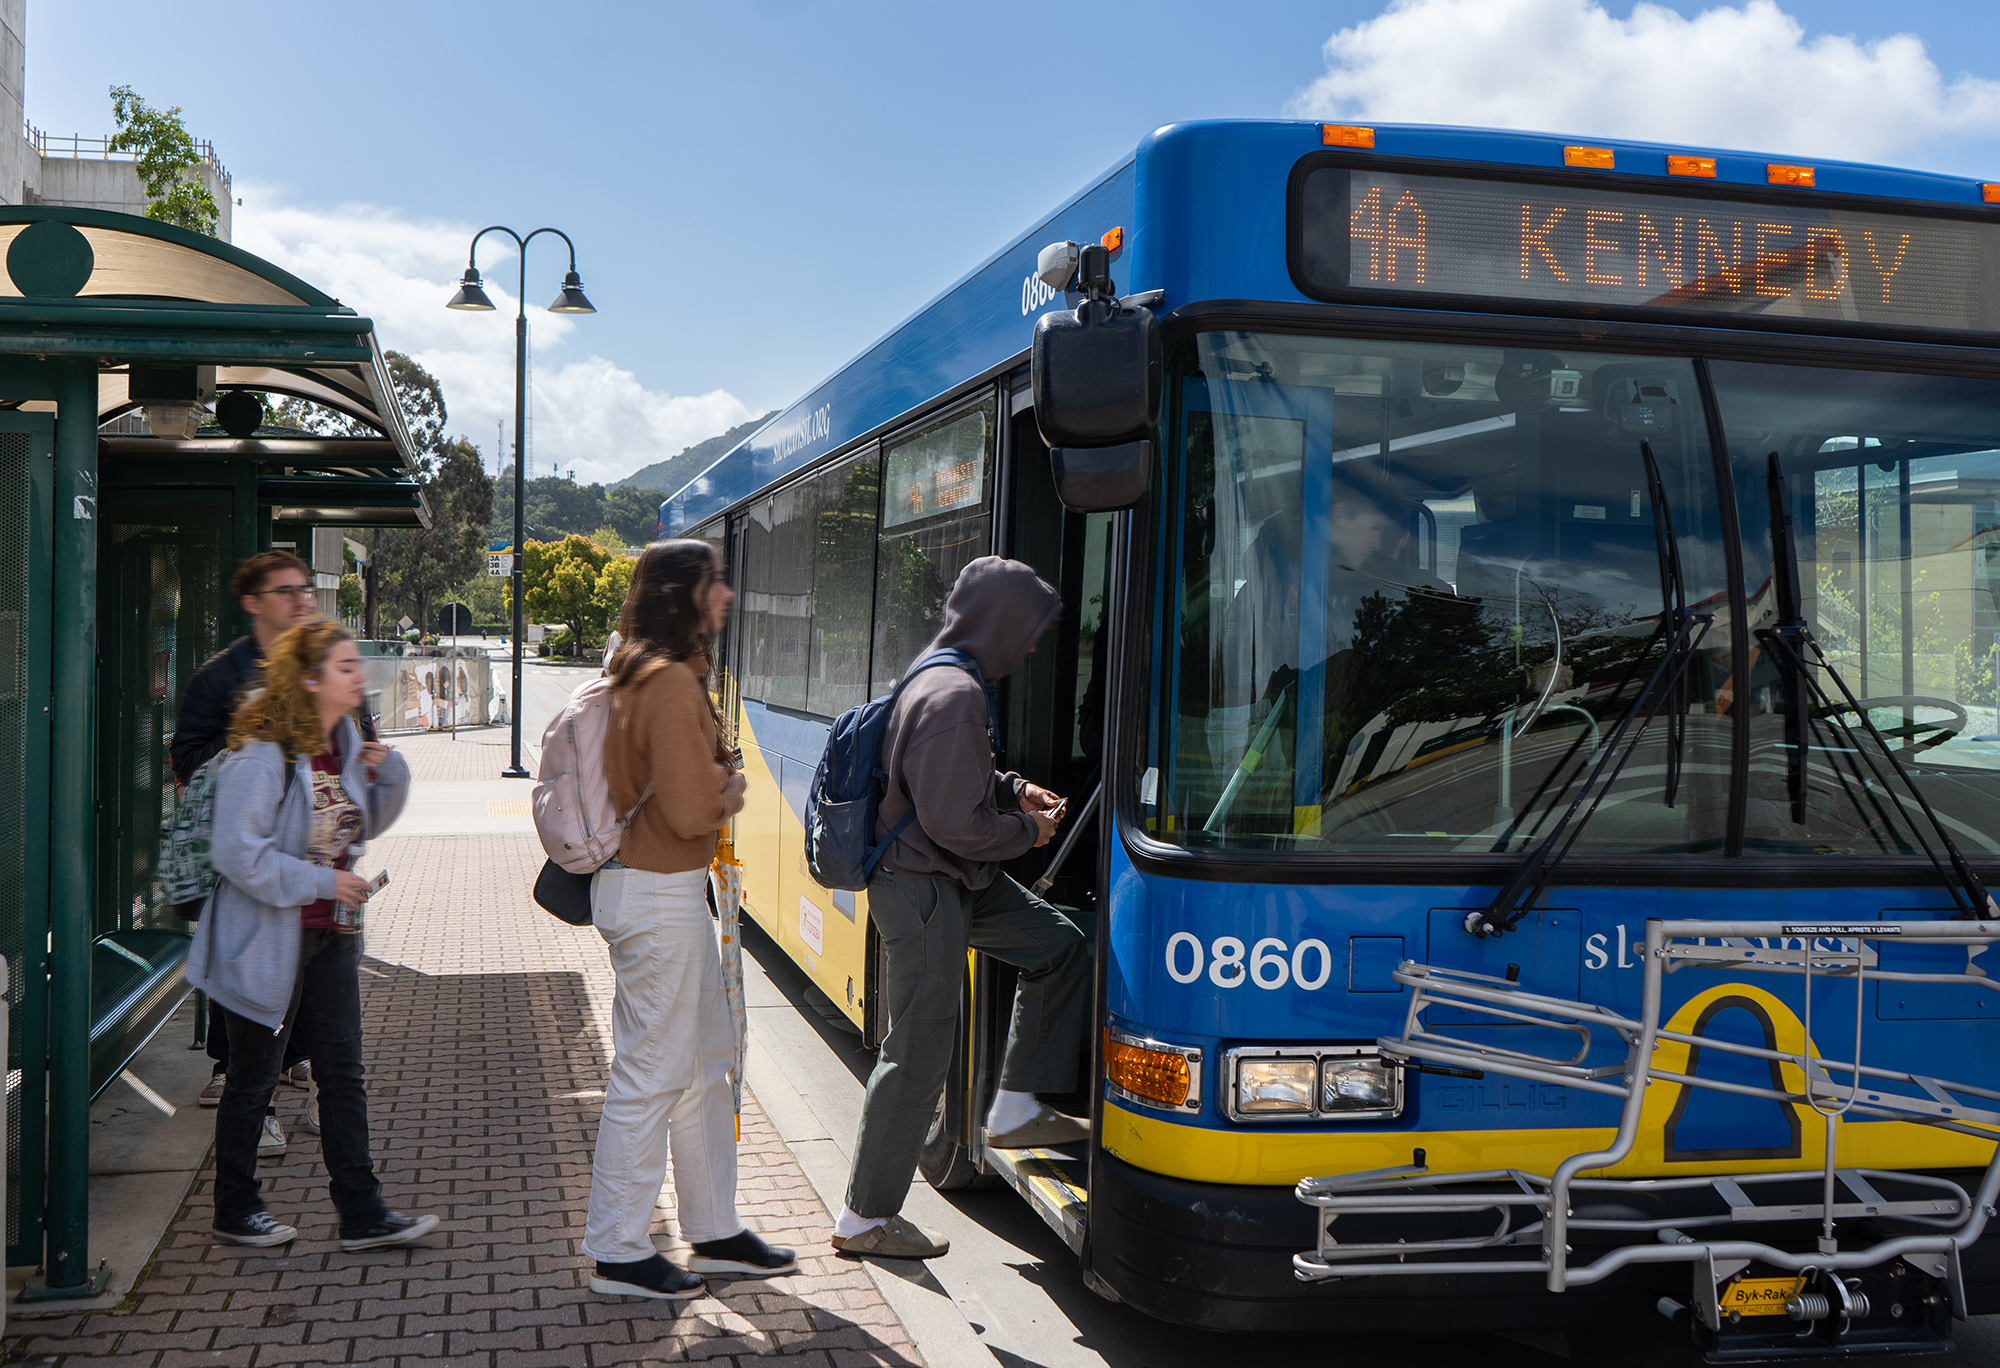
(296, 798)
(939, 890)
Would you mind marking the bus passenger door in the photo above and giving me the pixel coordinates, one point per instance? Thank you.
(1052, 710)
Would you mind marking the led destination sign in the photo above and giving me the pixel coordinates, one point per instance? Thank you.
(1613, 250)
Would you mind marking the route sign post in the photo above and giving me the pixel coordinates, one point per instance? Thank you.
(499, 564)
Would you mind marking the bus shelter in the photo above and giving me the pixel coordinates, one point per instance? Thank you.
(117, 541)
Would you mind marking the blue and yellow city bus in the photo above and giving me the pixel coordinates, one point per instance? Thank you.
(1535, 724)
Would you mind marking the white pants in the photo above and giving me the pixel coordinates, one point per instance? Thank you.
(669, 1083)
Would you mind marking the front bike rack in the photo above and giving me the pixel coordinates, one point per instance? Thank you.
(1533, 1216)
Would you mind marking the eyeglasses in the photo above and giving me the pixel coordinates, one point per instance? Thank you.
(291, 591)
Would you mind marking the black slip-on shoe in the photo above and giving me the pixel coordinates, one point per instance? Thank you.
(391, 1228)
(744, 1253)
(653, 1277)
(258, 1228)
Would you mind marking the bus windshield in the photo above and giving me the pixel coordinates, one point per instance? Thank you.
(1416, 587)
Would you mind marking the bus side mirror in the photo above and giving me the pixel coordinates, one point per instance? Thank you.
(1096, 377)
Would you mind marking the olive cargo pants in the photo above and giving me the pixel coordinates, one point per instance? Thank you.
(927, 924)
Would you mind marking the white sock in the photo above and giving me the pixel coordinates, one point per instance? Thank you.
(1011, 1111)
(847, 1225)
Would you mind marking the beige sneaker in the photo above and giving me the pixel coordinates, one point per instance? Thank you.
(1049, 1129)
(895, 1238)
(271, 1143)
(211, 1093)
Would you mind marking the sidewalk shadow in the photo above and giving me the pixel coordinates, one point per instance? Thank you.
(484, 1093)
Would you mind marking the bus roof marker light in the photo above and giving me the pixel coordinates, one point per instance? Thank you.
(1346, 135)
(1113, 239)
(1679, 164)
(1589, 158)
(1990, 193)
(1779, 173)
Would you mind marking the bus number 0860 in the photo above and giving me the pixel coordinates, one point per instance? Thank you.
(1268, 963)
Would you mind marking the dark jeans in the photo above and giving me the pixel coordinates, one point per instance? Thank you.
(218, 1040)
(327, 992)
(927, 924)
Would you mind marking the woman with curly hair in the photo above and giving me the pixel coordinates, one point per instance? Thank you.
(295, 799)
(671, 1033)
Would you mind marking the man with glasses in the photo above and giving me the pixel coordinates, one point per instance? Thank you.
(276, 590)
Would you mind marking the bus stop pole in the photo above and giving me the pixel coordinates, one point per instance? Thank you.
(72, 812)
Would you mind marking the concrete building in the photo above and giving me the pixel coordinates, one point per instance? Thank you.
(79, 170)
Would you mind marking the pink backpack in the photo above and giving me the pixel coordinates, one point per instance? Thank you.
(579, 827)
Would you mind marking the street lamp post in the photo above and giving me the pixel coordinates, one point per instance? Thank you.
(472, 296)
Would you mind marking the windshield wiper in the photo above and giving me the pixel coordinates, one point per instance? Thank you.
(1683, 632)
(1791, 639)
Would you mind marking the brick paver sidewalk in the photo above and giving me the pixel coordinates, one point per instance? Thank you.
(488, 1043)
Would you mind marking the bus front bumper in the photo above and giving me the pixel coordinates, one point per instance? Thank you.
(1220, 1257)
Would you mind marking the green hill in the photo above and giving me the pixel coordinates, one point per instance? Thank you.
(669, 475)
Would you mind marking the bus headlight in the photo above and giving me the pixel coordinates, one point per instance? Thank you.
(1356, 1083)
(1275, 1087)
(1311, 1083)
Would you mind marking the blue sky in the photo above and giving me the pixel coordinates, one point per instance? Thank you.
(760, 189)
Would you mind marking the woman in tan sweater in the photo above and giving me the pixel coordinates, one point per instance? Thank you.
(670, 1025)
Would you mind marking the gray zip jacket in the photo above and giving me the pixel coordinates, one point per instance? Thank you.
(246, 946)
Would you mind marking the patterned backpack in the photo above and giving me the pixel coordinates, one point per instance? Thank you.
(185, 874)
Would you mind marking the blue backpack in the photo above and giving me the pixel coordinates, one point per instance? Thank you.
(847, 787)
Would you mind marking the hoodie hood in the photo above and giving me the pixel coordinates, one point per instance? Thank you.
(997, 610)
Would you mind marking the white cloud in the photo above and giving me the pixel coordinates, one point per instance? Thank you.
(1729, 77)
(590, 414)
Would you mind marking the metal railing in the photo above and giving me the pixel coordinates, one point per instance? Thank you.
(1536, 1214)
(100, 149)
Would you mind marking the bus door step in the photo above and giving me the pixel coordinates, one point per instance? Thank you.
(1806, 1247)
(1054, 1182)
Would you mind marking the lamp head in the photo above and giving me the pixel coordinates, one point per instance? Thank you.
(471, 294)
(572, 299)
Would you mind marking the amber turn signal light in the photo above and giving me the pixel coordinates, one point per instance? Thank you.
(1690, 166)
(1346, 135)
(1990, 193)
(1590, 158)
(1113, 239)
(1156, 1075)
(1777, 173)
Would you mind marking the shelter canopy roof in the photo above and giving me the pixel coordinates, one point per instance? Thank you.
(132, 291)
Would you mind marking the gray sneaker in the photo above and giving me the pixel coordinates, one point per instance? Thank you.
(895, 1238)
(311, 1122)
(211, 1092)
(300, 1073)
(272, 1142)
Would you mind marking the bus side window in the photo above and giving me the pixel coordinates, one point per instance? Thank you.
(936, 518)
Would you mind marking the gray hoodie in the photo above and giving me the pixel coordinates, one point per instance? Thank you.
(937, 750)
(246, 946)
